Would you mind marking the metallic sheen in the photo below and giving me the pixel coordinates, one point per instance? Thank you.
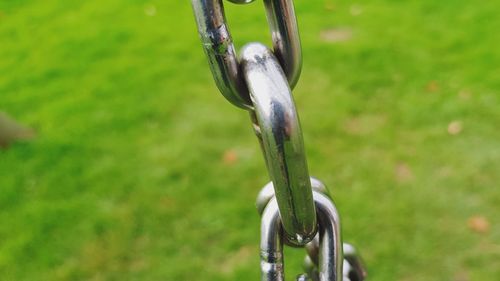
(285, 36)
(219, 48)
(279, 127)
(353, 266)
(267, 193)
(241, 1)
(330, 254)
(330, 240)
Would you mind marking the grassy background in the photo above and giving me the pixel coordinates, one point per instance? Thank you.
(142, 171)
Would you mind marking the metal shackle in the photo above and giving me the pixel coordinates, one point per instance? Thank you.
(219, 48)
(281, 140)
(330, 253)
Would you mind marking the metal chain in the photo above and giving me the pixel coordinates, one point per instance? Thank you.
(295, 208)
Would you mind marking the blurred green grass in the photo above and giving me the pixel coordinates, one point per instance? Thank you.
(126, 179)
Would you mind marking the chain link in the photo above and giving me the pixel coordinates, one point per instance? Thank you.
(241, 1)
(330, 250)
(221, 54)
(352, 266)
(281, 139)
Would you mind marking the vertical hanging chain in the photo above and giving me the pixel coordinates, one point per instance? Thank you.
(281, 136)
(295, 208)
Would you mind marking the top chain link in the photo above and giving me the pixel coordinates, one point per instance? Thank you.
(221, 54)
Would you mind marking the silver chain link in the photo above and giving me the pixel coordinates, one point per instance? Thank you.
(295, 208)
(221, 54)
(281, 138)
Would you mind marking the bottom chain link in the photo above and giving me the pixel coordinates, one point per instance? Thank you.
(327, 258)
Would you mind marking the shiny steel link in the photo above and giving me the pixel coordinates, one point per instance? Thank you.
(241, 1)
(353, 266)
(330, 254)
(330, 241)
(285, 36)
(267, 193)
(279, 127)
(219, 48)
(271, 244)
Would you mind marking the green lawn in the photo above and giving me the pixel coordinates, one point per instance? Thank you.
(140, 169)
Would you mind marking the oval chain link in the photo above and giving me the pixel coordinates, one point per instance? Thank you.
(281, 138)
(353, 268)
(330, 250)
(219, 48)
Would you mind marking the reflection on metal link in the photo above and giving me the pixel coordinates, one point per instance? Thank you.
(267, 193)
(295, 208)
(285, 36)
(241, 1)
(281, 136)
(330, 253)
(330, 242)
(353, 267)
(219, 48)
